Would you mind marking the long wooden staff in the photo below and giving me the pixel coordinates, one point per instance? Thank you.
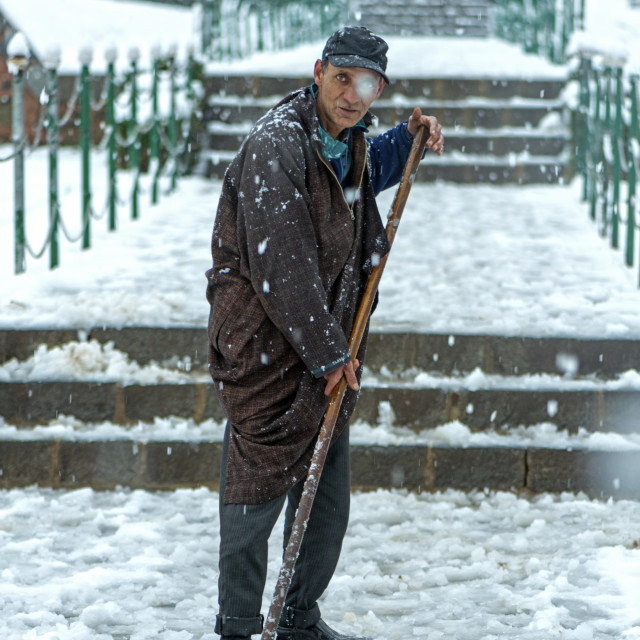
(331, 415)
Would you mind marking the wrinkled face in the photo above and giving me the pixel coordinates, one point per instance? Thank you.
(344, 95)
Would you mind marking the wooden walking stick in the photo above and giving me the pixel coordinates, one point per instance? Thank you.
(331, 415)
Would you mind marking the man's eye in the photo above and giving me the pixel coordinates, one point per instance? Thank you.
(366, 88)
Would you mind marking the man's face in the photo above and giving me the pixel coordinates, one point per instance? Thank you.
(344, 95)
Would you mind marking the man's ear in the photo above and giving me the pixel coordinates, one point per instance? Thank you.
(380, 88)
(317, 72)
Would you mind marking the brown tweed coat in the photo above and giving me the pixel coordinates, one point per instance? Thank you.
(291, 259)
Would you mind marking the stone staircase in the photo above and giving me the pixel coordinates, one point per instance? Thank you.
(415, 386)
(469, 18)
(497, 130)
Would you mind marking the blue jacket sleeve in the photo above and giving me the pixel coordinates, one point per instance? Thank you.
(388, 154)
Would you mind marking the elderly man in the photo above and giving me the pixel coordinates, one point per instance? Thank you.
(296, 235)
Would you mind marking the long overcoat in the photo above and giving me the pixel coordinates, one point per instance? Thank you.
(292, 252)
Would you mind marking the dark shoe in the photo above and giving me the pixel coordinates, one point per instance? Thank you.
(319, 631)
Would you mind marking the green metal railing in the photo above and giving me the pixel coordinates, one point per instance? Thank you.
(237, 28)
(540, 26)
(230, 29)
(607, 145)
(168, 143)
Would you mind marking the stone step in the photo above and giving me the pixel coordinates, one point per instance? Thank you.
(430, 24)
(469, 169)
(416, 407)
(396, 351)
(427, 18)
(480, 149)
(472, 28)
(167, 465)
(438, 14)
(394, 6)
(465, 169)
(491, 142)
(442, 88)
(470, 113)
(498, 131)
(435, 15)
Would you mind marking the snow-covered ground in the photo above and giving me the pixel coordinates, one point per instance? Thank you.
(512, 260)
(81, 565)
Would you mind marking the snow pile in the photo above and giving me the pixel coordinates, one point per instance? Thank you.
(99, 27)
(384, 433)
(68, 428)
(612, 30)
(88, 565)
(478, 379)
(457, 434)
(92, 361)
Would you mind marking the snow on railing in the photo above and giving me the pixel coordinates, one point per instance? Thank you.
(238, 28)
(607, 148)
(137, 132)
(539, 26)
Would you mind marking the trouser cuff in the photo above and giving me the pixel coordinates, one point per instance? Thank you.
(233, 626)
(300, 618)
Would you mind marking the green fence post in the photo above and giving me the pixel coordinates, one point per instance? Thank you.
(582, 133)
(539, 26)
(283, 22)
(18, 55)
(173, 124)
(633, 157)
(605, 159)
(567, 28)
(52, 62)
(616, 141)
(154, 134)
(86, 55)
(580, 21)
(112, 145)
(259, 13)
(273, 29)
(554, 28)
(530, 28)
(206, 45)
(217, 30)
(229, 27)
(596, 144)
(191, 100)
(134, 146)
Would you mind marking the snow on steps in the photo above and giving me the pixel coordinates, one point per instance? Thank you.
(426, 17)
(436, 411)
(498, 130)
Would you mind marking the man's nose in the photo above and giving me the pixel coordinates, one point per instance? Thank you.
(351, 94)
